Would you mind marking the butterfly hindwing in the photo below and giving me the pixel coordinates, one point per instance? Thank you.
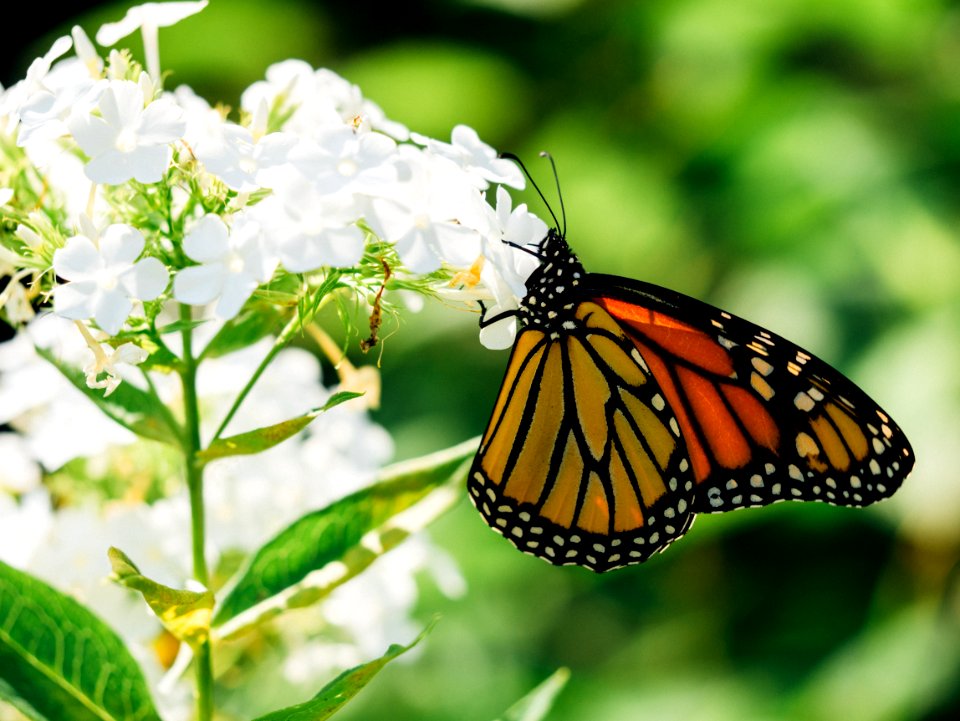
(763, 420)
(582, 461)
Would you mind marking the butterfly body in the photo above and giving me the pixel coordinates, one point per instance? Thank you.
(627, 408)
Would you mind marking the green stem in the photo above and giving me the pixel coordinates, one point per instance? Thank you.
(286, 335)
(168, 418)
(278, 345)
(194, 472)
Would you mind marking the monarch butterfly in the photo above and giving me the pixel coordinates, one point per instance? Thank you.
(627, 408)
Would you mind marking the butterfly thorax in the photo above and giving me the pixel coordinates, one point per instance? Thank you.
(553, 288)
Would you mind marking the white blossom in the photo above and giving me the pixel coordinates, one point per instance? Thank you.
(432, 217)
(319, 99)
(244, 157)
(102, 371)
(476, 157)
(105, 279)
(233, 262)
(148, 18)
(35, 81)
(509, 256)
(130, 138)
(309, 229)
(338, 160)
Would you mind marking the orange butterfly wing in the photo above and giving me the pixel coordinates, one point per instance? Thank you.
(762, 419)
(582, 462)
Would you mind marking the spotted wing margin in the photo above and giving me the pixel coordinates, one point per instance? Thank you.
(763, 420)
(581, 462)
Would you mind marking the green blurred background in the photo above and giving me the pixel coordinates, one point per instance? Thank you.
(797, 163)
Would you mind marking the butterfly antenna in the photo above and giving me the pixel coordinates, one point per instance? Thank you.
(515, 159)
(556, 178)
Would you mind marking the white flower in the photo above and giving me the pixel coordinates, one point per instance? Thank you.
(105, 280)
(432, 217)
(46, 114)
(476, 157)
(353, 108)
(148, 18)
(292, 82)
(12, 99)
(233, 262)
(127, 140)
(309, 229)
(102, 371)
(86, 52)
(57, 421)
(318, 99)
(340, 160)
(241, 157)
(67, 88)
(507, 266)
(6, 195)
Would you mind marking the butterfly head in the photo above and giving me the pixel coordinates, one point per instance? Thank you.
(552, 289)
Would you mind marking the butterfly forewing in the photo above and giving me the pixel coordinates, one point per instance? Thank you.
(763, 420)
(582, 462)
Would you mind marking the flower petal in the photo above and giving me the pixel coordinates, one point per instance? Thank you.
(110, 168)
(122, 104)
(207, 240)
(148, 164)
(121, 244)
(111, 309)
(74, 300)
(162, 121)
(92, 133)
(78, 259)
(499, 335)
(236, 289)
(147, 279)
(199, 284)
(151, 13)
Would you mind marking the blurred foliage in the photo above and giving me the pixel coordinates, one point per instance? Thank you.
(795, 162)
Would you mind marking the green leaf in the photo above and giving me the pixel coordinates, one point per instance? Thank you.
(185, 614)
(181, 325)
(538, 702)
(132, 408)
(324, 549)
(907, 661)
(255, 321)
(261, 439)
(343, 688)
(63, 662)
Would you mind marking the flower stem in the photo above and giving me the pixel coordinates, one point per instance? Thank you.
(194, 472)
(286, 335)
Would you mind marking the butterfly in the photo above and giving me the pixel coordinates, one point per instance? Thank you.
(627, 408)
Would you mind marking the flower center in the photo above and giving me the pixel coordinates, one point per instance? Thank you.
(235, 263)
(107, 280)
(422, 221)
(126, 141)
(347, 167)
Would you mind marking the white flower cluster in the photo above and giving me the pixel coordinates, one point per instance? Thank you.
(248, 501)
(311, 176)
(128, 201)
